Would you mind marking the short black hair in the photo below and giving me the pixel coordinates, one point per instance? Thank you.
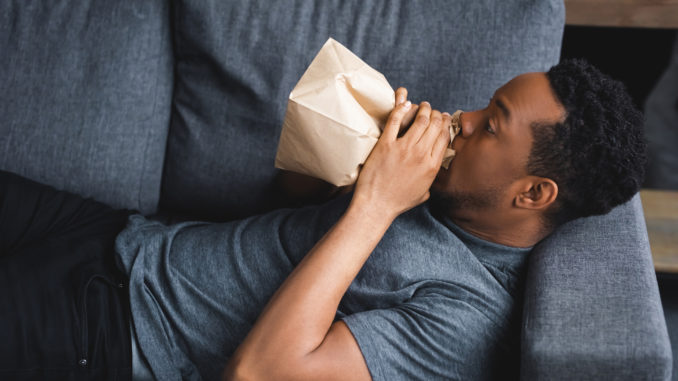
(596, 155)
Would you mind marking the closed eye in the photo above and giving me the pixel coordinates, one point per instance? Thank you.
(489, 128)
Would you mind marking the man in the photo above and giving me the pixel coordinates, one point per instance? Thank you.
(370, 285)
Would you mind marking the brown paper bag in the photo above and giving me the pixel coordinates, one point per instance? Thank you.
(334, 117)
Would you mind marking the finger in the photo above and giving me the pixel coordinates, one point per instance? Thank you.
(409, 117)
(394, 120)
(432, 131)
(441, 143)
(400, 95)
(407, 120)
(447, 121)
(420, 123)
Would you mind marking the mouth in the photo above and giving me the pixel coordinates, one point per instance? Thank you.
(455, 124)
(455, 129)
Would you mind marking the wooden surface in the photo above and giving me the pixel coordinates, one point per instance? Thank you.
(661, 216)
(623, 13)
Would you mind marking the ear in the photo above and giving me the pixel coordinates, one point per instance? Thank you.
(536, 193)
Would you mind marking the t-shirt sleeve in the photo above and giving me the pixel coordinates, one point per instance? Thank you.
(433, 337)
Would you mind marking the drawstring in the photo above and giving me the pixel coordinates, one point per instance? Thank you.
(83, 316)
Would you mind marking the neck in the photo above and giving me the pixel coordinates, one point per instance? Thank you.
(525, 232)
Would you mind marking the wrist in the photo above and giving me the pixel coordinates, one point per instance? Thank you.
(373, 212)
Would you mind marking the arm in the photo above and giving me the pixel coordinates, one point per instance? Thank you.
(295, 337)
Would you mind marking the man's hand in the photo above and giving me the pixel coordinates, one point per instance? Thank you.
(399, 171)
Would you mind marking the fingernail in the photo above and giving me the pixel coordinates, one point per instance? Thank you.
(446, 113)
(408, 104)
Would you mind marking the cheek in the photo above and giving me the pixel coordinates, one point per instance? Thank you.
(472, 166)
(478, 163)
(479, 170)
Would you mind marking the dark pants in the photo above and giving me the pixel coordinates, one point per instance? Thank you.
(64, 305)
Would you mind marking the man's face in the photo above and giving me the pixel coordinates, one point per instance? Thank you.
(493, 147)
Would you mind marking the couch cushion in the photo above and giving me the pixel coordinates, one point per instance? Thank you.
(85, 92)
(592, 306)
(237, 61)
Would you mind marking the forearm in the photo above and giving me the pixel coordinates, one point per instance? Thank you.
(299, 315)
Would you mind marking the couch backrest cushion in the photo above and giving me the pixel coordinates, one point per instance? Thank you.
(85, 93)
(237, 61)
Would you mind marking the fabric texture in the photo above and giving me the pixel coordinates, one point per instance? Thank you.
(65, 307)
(85, 92)
(237, 62)
(592, 307)
(423, 307)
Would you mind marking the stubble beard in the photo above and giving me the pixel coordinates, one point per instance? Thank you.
(454, 202)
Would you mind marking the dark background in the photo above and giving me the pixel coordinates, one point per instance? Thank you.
(636, 56)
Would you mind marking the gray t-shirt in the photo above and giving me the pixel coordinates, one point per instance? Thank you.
(431, 302)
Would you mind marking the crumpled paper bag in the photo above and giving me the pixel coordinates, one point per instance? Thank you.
(335, 114)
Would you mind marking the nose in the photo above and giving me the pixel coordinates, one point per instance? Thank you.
(466, 120)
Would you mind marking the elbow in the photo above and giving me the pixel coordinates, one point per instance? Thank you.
(243, 371)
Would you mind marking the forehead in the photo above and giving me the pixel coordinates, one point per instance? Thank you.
(529, 98)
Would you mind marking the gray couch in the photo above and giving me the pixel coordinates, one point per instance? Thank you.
(175, 108)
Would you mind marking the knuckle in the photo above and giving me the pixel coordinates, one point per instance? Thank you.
(444, 137)
(436, 117)
(442, 132)
(422, 118)
(398, 113)
(401, 154)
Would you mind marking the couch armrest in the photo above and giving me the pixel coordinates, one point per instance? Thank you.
(592, 308)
